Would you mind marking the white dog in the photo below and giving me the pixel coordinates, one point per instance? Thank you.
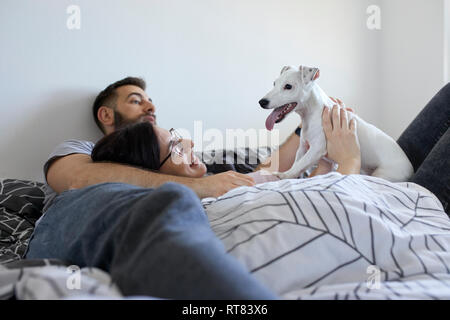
(296, 90)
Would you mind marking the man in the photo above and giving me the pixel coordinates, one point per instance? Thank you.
(124, 102)
(154, 242)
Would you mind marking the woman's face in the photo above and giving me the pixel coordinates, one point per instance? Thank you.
(185, 165)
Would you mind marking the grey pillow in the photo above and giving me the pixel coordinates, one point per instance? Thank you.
(242, 160)
(21, 204)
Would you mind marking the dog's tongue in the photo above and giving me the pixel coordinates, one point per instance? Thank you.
(270, 122)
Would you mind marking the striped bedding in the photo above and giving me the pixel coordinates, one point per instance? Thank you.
(338, 237)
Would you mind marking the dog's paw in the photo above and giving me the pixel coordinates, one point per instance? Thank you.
(290, 174)
(281, 175)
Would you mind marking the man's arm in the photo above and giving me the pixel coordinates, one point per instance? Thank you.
(78, 170)
(283, 158)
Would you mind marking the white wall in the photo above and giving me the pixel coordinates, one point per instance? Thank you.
(203, 60)
(411, 59)
(446, 13)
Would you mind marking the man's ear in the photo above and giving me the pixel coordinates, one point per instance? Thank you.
(309, 74)
(284, 69)
(106, 116)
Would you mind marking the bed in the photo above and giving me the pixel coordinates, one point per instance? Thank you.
(21, 204)
(395, 246)
(313, 239)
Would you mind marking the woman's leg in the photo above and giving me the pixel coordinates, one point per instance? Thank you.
(434, 173)
(153, 242)
(426, 142)
(427, 128)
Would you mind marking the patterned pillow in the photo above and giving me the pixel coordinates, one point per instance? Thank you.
(242, 160)
(21, 204)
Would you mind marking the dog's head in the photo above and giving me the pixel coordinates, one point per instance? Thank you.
(290, 90)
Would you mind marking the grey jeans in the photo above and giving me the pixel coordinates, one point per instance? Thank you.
(154, 242)
(426, 142)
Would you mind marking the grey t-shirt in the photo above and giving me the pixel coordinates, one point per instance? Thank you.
(64, 149)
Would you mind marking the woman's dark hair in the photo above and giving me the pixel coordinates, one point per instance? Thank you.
(135, 144)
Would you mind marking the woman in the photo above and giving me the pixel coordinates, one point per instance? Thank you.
(151, 147)
(335, 227)
(426, 142)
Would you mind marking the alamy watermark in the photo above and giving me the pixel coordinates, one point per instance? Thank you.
(374, 279)
(73, 281)
(209, 141)
(374, 18)
(73, 21)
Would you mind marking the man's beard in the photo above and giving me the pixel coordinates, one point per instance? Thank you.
(120, 121)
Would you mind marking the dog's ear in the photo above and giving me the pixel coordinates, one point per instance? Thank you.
(284, 69)
(309, 74)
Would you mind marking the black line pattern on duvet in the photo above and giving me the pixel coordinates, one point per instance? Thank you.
(290, 195)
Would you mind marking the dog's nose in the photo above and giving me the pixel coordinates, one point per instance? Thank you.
(264, 103)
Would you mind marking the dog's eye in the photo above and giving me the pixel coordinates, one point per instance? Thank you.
(287, 87)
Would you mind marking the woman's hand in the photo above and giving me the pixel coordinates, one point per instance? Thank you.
(218, 184)
(342, 141)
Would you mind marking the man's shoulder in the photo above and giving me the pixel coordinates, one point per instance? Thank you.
(77, 142)
(73, 146)
(68, 147)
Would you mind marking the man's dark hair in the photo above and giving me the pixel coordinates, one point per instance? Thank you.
(108, 97)
(134, 144)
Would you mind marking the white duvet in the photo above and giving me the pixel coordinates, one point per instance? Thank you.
(335, 236)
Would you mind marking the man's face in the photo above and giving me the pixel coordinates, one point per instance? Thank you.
(133, 105)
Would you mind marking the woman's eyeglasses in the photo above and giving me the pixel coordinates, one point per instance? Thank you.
(175, 145)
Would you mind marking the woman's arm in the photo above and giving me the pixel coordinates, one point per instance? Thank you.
(342, 141)
(282, 158)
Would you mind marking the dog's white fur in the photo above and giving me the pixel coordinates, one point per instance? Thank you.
(381, 156)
